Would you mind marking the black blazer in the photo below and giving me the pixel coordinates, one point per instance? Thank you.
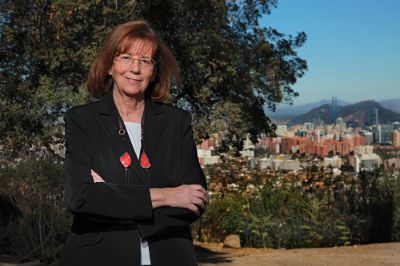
(110, 217)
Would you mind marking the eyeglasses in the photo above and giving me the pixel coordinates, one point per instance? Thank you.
(144, 62)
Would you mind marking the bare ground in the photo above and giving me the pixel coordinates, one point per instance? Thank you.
(366, 255)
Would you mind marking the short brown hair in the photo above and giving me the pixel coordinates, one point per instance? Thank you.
(99, 82)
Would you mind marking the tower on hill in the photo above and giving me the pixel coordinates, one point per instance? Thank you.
(334, 110)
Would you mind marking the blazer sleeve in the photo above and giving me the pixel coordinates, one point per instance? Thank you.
(170, 218)
(100, 199)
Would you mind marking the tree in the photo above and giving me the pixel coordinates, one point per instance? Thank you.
(231, 66)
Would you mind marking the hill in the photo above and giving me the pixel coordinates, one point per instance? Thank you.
(287, 112)
(392, 104)
(358, 113)
(290, 111)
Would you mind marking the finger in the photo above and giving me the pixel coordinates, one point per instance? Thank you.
(194, 209)
(199, 190)
(196, 193)
(203, 190)
(196, 187)
(202, 195)
(200, 202)
(197, 201)
(202, 207)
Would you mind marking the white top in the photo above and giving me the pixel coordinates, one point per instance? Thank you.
(135, 135)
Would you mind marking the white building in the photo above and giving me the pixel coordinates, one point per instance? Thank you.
(248, 148)
(370, 162)
(365, 149)
(365, 161)
(205, 157)
(264, 163)
(278, 163)
(281, 130)
(334, 162)
(308, 126)
(291, 165)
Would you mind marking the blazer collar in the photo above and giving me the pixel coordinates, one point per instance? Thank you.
(106, 105)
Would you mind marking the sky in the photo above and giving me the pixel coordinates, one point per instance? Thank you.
(352, 48)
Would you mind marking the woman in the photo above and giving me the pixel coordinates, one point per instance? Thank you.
(133, 181)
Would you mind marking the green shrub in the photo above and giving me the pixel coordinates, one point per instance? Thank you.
(396, 213)
(291, 211)
(34, 186)
(225, 215)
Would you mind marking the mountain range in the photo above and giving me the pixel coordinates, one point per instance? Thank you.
(291, 111)
(358, 114)
(392, 104)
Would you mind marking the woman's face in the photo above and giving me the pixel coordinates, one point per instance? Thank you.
(133, 70)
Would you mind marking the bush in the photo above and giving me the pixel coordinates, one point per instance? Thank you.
(395, 234)
(275, 217)
(34, 189)
(292, 211)
(225, 215)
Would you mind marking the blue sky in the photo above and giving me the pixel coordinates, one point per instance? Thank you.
(352, 50)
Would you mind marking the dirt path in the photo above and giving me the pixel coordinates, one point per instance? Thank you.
(365, 255)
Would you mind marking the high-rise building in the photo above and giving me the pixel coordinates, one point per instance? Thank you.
(396, 138)
(377, 134)
(333, 110)
(374, 121)
(387, 133)
(369, 138)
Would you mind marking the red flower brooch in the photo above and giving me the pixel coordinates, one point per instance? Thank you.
(144, 161)
(125, 160)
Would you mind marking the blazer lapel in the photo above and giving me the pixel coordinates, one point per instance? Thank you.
(108, 123)
(154, 122)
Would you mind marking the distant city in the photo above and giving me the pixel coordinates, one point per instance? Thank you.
(289, 112)
(353, 143)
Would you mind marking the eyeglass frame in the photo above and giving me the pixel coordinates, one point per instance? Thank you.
(133, 59)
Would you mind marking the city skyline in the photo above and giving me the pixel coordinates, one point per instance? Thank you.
(351, 48)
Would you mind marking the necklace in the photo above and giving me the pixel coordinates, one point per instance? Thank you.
(125, 158)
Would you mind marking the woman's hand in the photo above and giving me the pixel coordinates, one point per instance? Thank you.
(192, 197)
(96, 177)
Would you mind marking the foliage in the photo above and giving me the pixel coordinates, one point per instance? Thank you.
(313, 209)
(231, 66)
(38, 228)
(225, 216)
(396, 213)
